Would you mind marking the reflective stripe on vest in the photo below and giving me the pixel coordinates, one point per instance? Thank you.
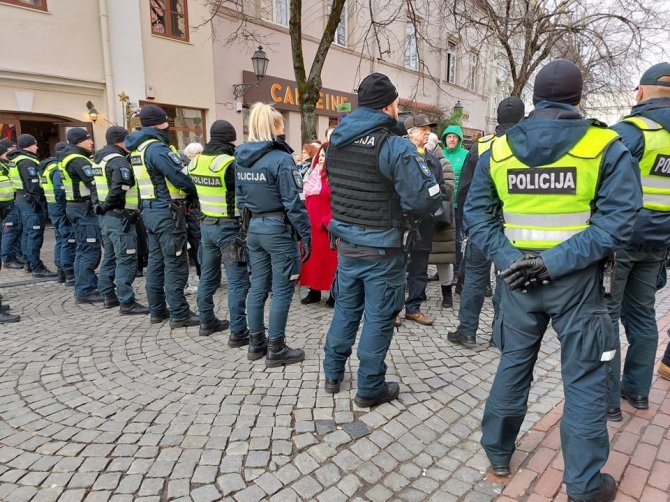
(546, 205)
(6, 186)
(655, 164)
(208, 172)
(14, 173)
(47, 182)
(101, 184)
(142, 177)
(484, 144)
(68, 184)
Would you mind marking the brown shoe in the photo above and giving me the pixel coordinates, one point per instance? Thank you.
(420, 317)
(397, 321)
(664, 370)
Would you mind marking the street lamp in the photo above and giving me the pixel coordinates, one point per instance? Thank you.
(260, 63)
(92, 112)
(458, 108)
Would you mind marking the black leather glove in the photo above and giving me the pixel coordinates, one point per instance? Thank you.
(305, 250)
(525, 273)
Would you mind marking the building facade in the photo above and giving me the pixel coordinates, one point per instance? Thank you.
(67, 57)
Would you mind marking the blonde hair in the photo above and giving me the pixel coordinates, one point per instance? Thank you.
(264, 122)
(192, 150)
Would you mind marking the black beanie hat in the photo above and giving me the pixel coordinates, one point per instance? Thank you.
(222, 131)
(152, 115)
(26, 140)
(559, 81)
(60, 146)
(376, 91)
(116, 134)
(510, 111)
(76, 135)
(5, 145)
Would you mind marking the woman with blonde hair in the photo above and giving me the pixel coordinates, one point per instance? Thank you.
(268, 186)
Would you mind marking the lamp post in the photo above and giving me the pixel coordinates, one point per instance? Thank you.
(92, 112)
(259, 62)
(458, 108)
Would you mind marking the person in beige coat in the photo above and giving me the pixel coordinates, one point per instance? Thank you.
(443, 253)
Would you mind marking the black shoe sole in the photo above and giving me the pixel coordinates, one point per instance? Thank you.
(111, 305)
(283, 362)
(255, 356)
(332, 388)
(637, 406)
(237, 344)
(134, 313)
(501, 471)
(363, 402)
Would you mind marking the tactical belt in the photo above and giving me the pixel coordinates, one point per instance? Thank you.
(269, 213)
(210, 220)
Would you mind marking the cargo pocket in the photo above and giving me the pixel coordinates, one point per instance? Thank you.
(176, 244)
(597, 338)
(128, 244)
(662, 277)
(498, 328)
(393, 298)
(292, 268)
(91, 234)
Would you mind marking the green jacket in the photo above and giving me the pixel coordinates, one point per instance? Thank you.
(455, 155)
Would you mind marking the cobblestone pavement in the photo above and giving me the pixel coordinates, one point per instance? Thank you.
(95, 406)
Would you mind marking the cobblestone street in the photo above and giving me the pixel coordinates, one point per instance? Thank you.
(95, 406)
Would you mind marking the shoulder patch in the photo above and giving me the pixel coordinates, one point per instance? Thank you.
(125, 173)
(88, 171)
(175, 158)
(423, 166)
(32, 171)
(298, 180)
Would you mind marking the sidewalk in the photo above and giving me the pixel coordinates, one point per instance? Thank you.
(98, 407)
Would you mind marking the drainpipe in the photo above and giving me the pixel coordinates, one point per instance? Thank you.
(107, 61)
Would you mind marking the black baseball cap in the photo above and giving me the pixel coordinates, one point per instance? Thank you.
(654, 74)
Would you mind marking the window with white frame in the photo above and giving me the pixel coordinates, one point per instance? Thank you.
(341, 35)
(473, 77)
(411, 46)
(451, 62)
(275, 11)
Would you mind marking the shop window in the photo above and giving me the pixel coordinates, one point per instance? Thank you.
(187, 125)
(169, 18)
(32, 4)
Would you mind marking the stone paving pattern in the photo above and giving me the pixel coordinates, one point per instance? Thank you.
(95, 406)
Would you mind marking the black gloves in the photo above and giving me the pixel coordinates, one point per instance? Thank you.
(525, 273)
(305, 250)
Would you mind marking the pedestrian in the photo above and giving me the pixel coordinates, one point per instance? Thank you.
(80, 195)
(569, 195)
(418, 130)
(29, 197)
(443, 251)
(452, 141)
(65, 243)
(10, 216)
(6, 205)
(309, 150)
(213, 172)
(118, 207)
(375, 176)
(193, 216)
(646, 133)
(268, 186)
(319, 272)
(165, 195)
(477, 280)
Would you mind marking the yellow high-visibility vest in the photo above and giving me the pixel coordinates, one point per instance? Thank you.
(208, 173)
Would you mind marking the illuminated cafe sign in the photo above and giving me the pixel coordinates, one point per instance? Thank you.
(284, 95)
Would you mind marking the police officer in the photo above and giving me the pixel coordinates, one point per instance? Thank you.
(65, 244)
(30, 200)
(646, 133)
(268, 186)
(6, 205)
(213, 172)
(12, 228)
(375, 175)
(477, 278)
(118, 199)
(569, 194)
(165, 192)
(80, 195)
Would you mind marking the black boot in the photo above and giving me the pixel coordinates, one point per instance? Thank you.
(279, 353)
(238, 339)
(258, 345)
(133, 308)
(69, 280)
(61, 276)
(110, 300)
(314, 296)
(212, 326)
(447, 299)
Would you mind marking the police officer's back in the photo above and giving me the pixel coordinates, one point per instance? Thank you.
(165, 193)
(569, 195)
(375, 176)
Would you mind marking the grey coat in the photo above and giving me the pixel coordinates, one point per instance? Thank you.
(444, 239)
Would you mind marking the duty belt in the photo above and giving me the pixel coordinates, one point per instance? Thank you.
(215, 221)
(269, 213)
